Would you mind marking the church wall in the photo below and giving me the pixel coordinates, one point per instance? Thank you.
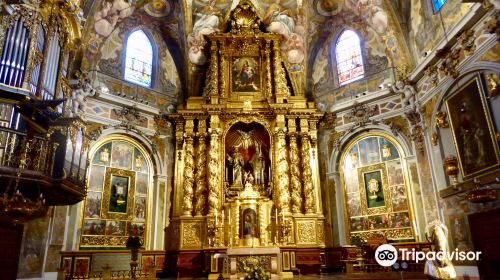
(434, 80)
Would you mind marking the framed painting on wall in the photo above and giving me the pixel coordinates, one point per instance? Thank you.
(472, 129)
(118, 198)
(81, 267)
(246, 74)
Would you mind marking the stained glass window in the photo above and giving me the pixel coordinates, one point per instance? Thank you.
(349, 59)
(139, 59)
(438, 4)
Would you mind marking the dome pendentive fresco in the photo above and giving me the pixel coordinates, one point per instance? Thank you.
(209, 138)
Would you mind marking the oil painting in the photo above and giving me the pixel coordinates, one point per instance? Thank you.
(249, 224)
(472, 129)
(115, 228)
(118, 195)
(140, 208)
(353, 204)
(93, 205)
(94, 227)
(374, 189)
(246, 74)
(398, 196)
(399, 220)
(121, 155)
(142, 183)
(103, 155)
(395, 173)
(97, 178)
(118, 200)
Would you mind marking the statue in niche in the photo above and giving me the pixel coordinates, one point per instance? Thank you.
(258, 163)
(237, 162)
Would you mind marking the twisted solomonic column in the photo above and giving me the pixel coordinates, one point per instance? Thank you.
(201, 176)
(187, 200)
(213, 172)
(282, 179)
(295, 185)
(307, 174)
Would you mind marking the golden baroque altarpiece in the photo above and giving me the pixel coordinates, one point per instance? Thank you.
(246, 163)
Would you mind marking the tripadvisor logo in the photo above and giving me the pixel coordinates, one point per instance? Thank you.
(387, 255)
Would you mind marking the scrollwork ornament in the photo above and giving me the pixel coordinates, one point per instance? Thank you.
(307, 175)
(295, 185)
(187, 200)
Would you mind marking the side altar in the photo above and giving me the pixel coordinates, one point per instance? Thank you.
(246, 165)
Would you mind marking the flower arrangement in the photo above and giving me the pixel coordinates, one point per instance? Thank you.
(253, 272)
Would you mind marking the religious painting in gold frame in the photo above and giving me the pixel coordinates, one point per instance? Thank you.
(375, 193)
(119, 189)
(246, 74)
(472, 129)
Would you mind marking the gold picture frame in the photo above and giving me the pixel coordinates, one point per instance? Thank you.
(246, 74)
(472, 129)
(381, 170)
(114, 186)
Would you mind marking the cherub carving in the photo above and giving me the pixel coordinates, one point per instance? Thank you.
(79, 96)
(408, 93)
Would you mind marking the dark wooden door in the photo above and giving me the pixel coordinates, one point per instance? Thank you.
(485, 230)
(10, 245)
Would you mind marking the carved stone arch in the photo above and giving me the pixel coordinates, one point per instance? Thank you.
(403, 145)
(157, 166)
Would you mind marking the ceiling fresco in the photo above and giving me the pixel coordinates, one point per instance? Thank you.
(388, 31)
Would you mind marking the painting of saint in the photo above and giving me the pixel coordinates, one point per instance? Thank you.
(471, 129)
(249, 224)
(395, 173)
(374, 189)
(353, 204)
(147, 262)
(140, 208)
(378, 222)
(160, 262)
(140, 163)
(369, 150)
(96, 177)
(121, 155)
(134, 228)
(358, 224)
(399, 202)
(93, 227)
(141, 183)
(246, 74)
(115, 228)
(81, 267)
(93, 205)
(118, 199)
(399, 220)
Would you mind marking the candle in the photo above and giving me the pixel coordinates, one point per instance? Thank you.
(276, 215)
(215, 218)
(283, 216)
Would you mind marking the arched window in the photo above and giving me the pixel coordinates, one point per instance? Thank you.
(139, 59)
(349, 59)
(437, 5)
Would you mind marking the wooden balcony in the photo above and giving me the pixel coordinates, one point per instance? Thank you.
(29, 163)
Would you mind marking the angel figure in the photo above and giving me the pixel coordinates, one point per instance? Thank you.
(78, 98)
(408, 94)
(246, 140)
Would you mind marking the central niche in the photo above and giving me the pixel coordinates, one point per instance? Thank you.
(247, 158)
